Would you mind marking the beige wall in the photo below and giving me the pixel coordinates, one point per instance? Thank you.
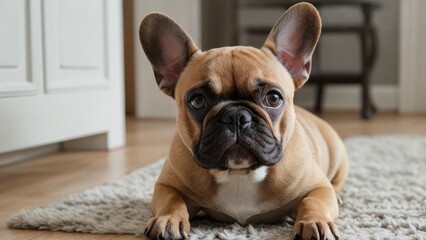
(338, 52)
(150, 101)
(413, 57)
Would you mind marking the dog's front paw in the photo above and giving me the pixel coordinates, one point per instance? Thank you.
(319, 230)
(167, 227)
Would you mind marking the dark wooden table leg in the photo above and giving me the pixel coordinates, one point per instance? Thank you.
(319, 98)
(373, 57)
(366, 52)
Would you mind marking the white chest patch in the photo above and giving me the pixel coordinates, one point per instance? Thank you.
(239, 194)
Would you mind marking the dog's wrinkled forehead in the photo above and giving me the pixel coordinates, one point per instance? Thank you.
(234, 72)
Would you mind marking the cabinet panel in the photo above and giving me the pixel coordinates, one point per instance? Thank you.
(63, 44)
(15, 76)
(75, 45)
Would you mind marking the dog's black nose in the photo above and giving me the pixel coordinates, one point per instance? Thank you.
(240, 117)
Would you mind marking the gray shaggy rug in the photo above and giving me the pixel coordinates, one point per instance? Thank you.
(384, 198)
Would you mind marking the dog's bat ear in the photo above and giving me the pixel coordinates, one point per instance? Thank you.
(167, 47)
(293, 39)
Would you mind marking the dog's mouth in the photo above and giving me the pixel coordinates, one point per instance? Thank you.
(238, 159)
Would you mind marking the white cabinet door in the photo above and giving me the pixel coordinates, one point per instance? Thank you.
(16, 76)
(75, 45)
(61, 74)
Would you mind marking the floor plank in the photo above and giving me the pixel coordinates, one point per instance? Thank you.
(42, 180)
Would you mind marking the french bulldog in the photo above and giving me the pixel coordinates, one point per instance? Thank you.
(243, 152)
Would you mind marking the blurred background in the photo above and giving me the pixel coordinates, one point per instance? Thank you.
(362, 42)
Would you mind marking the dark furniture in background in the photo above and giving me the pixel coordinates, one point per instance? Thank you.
(367, 36)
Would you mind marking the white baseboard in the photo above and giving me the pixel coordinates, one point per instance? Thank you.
(16, 156)
(348, 97)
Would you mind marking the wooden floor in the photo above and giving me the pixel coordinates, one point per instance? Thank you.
(49, 178)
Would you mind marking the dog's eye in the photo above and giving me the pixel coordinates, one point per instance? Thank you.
(273, 99)
(197, 101)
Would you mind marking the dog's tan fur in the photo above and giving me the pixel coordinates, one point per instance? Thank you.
(302, 184)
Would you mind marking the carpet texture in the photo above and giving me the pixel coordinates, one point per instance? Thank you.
(384, 198)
